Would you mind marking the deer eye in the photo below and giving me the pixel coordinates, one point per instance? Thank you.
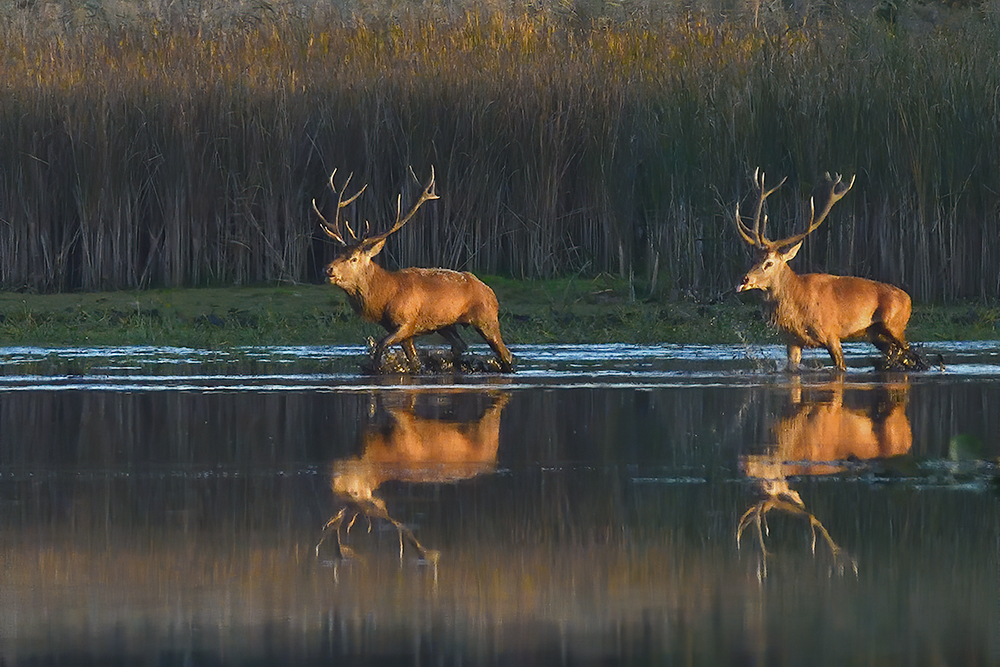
(768, 264)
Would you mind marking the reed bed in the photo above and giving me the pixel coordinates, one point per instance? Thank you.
(185, 149)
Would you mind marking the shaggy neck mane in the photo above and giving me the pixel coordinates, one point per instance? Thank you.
(369, 296)
(783, 302)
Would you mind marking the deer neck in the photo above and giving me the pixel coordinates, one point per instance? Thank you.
(784, 300)
(369, 295)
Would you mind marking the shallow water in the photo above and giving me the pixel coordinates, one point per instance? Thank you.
(168, 505)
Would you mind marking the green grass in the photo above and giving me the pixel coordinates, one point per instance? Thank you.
(567, 311)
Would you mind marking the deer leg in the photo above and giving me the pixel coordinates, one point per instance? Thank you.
(885, 340)
(402, 336)
(894, 348)
(836, 353)
(450, 334)
(410, 350)
(881, 341)
(490, 331)
(794, 357)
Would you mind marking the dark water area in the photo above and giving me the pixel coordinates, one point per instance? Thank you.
(273, 505)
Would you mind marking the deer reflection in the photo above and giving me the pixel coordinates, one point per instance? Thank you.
(408, 445)
(818, 436)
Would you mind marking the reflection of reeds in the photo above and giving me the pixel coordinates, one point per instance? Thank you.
(160, 154)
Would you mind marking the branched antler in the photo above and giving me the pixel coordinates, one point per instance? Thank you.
(427, 195)
(827, 193)
(333, 230)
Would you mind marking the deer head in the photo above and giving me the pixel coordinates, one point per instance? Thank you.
(773, 256)
(354, 264)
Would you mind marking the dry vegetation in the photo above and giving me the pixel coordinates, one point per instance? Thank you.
(147, 144)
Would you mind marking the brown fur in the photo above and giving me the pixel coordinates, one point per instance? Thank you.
(412, 302)
(820, 310)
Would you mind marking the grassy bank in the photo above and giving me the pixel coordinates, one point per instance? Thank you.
(161, 145)
(556, 311)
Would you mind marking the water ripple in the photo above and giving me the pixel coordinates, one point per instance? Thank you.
(335, 368)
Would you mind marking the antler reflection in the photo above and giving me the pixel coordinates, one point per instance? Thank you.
(411, 446)
(375, 508)
(816, 437)
(780, 497)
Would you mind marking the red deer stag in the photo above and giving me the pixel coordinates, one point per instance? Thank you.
(409, 302)
(818, 309)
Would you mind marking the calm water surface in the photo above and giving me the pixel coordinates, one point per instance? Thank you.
(272, 505)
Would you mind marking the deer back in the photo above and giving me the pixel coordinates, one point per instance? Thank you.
(815, 307)
(432, 298)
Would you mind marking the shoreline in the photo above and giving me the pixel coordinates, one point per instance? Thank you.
(597, 310)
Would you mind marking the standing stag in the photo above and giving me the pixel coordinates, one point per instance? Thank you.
(409, 302)
(818, 309)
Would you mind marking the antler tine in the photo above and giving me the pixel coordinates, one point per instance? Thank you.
(758, 225)
(333, 230)
(743, 229)
(357, 194)
(325, 226)
(755, 237)
(831, 194)
(427, 195)
(341, 203)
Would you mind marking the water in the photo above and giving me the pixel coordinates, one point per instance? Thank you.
(177, 506)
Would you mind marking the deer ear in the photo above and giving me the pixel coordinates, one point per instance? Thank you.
(791, 252)
(375, 248)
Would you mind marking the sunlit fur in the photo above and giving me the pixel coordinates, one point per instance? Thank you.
(820, 310)
(411, 302)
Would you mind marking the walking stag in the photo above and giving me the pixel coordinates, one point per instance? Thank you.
(819, 309)
(409, 302)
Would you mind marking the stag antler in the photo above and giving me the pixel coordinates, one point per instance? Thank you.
(333, 231)
(756, 237)
(829, 191)
(427, 195)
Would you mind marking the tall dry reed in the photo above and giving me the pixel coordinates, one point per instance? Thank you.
(175, 152)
